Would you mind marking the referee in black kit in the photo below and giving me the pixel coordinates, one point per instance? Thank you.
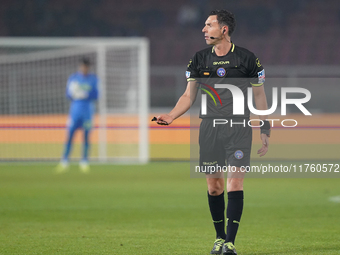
(224, 145)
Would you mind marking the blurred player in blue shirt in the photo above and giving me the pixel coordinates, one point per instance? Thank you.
(82, 90)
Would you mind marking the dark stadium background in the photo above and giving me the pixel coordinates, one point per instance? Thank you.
(283, 33)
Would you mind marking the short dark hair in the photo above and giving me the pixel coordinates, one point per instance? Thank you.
(85, 61)
(225, 18)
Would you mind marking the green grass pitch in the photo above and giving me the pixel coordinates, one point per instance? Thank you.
(157, 209)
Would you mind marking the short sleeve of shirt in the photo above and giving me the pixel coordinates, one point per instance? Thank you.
(192, 72)
(256, 72)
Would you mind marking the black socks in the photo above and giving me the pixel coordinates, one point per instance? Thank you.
(217, 207)
(234, 212)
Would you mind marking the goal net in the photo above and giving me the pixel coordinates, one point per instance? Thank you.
(34, 108)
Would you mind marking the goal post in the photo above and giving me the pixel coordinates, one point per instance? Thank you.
(34, 109)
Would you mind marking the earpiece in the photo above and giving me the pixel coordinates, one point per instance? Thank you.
(211, 37)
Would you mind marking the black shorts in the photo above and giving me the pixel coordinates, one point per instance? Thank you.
(225, 145)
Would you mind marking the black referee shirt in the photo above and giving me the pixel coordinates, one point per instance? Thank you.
(239, 67)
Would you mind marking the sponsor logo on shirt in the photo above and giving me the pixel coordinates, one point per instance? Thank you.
(221, 63)
(187, 74)
(261, 75)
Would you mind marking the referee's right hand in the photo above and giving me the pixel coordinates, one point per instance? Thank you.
(164, 119)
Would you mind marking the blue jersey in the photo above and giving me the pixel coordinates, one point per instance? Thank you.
(82, 90)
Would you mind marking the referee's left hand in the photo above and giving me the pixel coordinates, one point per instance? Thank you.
(265, 144)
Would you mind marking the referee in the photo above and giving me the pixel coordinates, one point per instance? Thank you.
(224, 145)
